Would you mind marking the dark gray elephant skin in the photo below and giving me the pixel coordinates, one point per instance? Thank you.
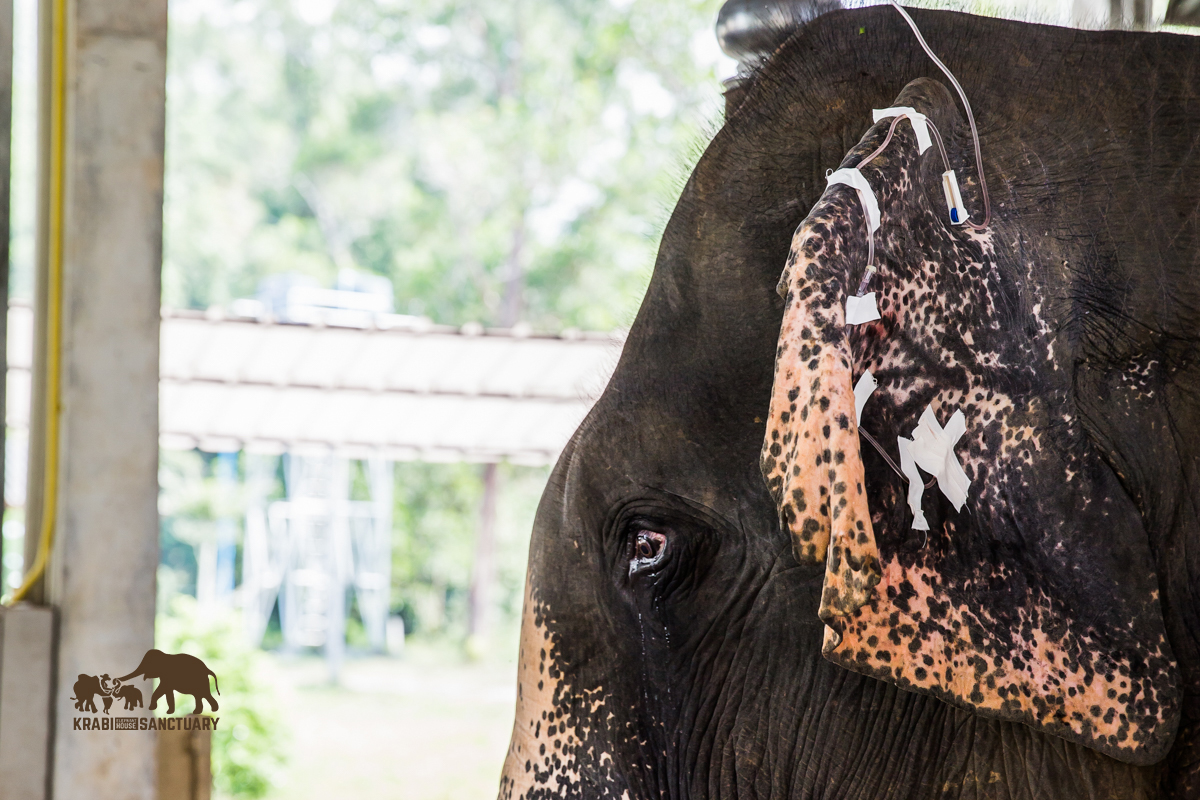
(694, 630)
(176, 673)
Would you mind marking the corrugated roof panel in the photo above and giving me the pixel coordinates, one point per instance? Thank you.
(436, 395)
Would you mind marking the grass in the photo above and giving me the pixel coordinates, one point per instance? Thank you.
(426, 726)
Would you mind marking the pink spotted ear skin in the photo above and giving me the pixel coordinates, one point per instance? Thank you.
(1037, 603)
(1069, 687)
(810, 455)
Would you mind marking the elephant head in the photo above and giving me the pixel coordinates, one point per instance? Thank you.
(153, 665)
(725, 594)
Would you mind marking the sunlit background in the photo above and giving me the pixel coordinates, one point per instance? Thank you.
(403, 241)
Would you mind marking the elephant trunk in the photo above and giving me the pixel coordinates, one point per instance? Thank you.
(141, 669)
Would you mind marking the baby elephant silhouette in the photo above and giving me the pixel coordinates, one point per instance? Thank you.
(176, 673)
(131, 695)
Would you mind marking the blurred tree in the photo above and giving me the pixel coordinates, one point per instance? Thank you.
(192, 505)
(497, 160)
(436, 519)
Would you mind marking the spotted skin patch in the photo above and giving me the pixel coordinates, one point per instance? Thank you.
(1068, 685)
(810, 458)
(553, 751)
(1038, 602)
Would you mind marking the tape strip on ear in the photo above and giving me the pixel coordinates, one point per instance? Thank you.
(919, 122)
(861, 309)
(933, 450)
(851, 177)
(916, 485)
(862, 392)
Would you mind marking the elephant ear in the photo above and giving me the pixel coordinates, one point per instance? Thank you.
(1037, 601)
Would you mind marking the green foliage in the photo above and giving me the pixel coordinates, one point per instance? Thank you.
(190, 494)
(455, 146)
(436, 518)
(190, 502)
(248, 747)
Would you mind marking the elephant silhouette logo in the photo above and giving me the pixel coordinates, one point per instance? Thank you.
(180, 672)
(88, 686)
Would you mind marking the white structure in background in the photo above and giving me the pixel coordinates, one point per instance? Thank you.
(347, 379)
(355, 300)
(344, 382)
(400, 387)
(307, 550)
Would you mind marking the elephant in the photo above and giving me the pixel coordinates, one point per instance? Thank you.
(86, 688)
(729, 596)
(131, 695)
(176, 673)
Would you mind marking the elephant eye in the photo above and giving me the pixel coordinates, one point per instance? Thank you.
(648, 547)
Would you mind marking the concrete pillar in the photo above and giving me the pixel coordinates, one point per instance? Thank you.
(184, 765)
(26, 669)
(101, 571)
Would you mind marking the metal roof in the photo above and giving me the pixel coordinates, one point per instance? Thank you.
(401, 387)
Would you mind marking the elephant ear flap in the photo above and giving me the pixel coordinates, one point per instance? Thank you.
(1035, 600)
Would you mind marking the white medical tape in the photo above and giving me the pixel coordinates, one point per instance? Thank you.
(850, 176)
(862, 390)
(916, 484)
(861, 309)
(919, 122)
(933, 451)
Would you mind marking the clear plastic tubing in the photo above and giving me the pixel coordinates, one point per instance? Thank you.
(987, 204)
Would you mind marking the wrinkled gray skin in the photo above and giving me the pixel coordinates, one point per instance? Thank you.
(671, 645)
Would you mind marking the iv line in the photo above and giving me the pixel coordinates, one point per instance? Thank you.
(987, 205)
(937, 136)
